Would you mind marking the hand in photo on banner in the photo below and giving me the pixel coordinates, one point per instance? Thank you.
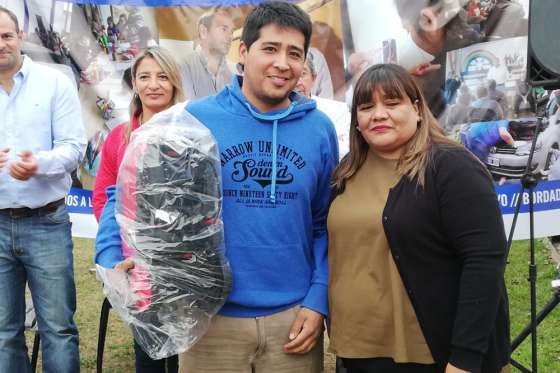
(451, 46)
(480, 136)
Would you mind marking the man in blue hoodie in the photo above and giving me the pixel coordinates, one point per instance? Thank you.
(277, 154)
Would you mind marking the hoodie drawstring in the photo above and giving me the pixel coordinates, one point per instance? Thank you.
(274, 119)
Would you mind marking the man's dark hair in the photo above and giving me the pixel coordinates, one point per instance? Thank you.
(492, 84)
(12, 16)
(281, 14)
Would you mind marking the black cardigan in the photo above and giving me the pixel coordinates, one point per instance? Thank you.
(448, 242)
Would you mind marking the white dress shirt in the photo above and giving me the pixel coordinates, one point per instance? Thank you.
(339, 114)
(42, 114)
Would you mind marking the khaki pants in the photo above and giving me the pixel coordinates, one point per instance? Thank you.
(250, 345)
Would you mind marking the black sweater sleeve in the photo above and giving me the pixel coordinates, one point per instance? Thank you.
(472, 221)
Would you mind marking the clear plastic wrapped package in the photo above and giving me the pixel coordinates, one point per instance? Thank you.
(169, 213)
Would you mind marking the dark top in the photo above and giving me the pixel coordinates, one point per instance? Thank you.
(448, 242)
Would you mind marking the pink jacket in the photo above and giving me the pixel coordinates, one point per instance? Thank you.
(111, 157)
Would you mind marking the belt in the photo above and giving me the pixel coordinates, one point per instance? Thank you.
(25, 212)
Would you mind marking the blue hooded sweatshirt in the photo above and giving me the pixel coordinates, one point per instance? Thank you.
(108, 243)
(276, 171)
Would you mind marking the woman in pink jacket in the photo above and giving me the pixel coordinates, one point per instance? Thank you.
(156, 82)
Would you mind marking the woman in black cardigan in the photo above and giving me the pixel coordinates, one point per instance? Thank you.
(417, 247)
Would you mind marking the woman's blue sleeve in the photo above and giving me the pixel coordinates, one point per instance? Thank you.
(108, 244)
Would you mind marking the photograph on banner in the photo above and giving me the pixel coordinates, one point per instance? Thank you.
(206, 42)
(460, 51)
(112, 37)
(93, 50)
(490, 107)
(470, 60)
(95, 45)
(494, 112)
(418, 35)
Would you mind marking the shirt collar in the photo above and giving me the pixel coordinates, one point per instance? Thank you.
(204, 60)
(25, 67)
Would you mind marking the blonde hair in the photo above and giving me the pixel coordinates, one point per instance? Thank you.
(169, 66)
(395, 82)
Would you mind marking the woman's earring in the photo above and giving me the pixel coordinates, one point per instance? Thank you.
(358, 128)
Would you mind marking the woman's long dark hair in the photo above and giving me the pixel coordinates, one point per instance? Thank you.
(395, 82)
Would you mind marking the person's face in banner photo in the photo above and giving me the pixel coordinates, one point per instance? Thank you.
(153, 86)
(220, 34)
(272, 66)
(306, 80)
(11, 42)
(422, 30)
(430, 24)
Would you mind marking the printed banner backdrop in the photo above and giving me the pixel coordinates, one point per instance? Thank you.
(80, 207)
(469, 56)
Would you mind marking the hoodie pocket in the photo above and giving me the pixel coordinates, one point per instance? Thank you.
(275, 275)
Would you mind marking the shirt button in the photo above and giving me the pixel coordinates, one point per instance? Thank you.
(385, 218)
(397, 257)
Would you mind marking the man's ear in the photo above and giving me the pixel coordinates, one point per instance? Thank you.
(202, 32)
(243, 50)
(21, 37)
(429, 20)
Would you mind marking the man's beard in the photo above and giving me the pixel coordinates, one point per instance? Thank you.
(273, 100)
(218, 50)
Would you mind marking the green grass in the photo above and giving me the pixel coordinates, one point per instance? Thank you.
(119, 354)
(548, 333)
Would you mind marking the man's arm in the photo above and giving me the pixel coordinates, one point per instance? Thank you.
(316, 298)
(499, 111)
(309, 322)
(478, 137)
(472, 222)
(69, 141)
(108, 243)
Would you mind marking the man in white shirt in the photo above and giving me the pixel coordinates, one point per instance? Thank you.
(42, 140)
(206, 70)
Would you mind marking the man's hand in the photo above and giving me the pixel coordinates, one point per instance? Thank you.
(506, 136)
(479, 137)
(4, 157)
(451, 369)
(425, 68)
(25, 167)
(125, 265)
(304, 332)
(357, 63)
